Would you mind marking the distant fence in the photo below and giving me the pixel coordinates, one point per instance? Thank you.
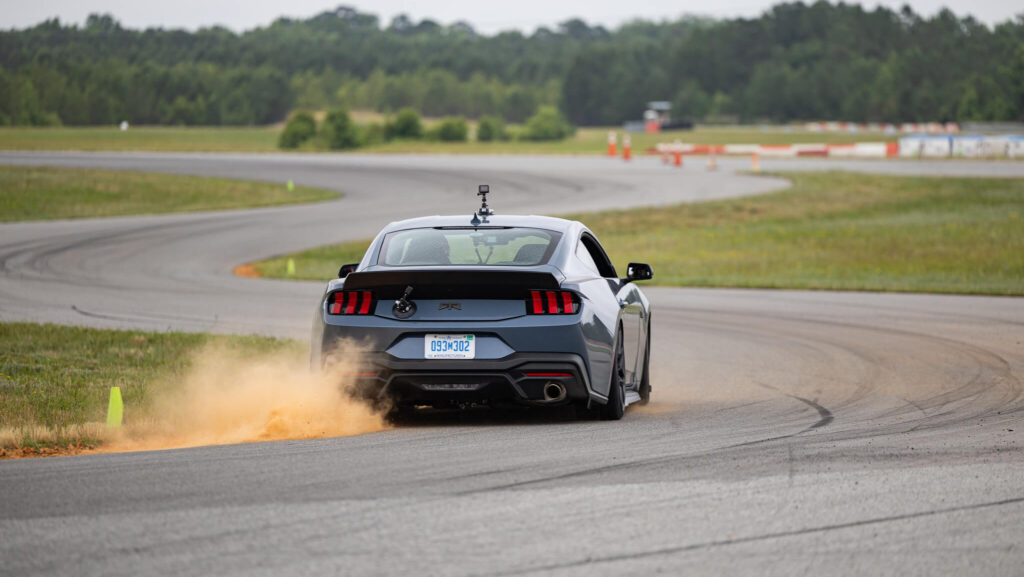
(1004, 127)
(906, 127)
(861, 149)
(964, 145)
(911, 146)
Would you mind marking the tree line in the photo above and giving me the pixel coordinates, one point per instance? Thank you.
(794, 62)
(337, 131)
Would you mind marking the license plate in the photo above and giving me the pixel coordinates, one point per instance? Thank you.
(449, 347)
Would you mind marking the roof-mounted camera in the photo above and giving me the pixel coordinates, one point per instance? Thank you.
(484, 211)
(484, 190)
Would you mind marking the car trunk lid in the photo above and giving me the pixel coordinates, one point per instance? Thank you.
(452, 294)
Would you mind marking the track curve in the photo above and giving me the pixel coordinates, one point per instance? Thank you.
(791, 432)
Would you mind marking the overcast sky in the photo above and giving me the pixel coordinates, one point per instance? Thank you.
(485, 16)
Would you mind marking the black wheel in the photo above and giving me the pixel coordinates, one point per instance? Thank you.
(616, 406)
(645, 380)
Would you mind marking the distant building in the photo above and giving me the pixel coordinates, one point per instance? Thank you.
(657, 117)
(658, 114)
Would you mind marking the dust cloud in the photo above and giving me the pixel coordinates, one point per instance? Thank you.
(229, 397)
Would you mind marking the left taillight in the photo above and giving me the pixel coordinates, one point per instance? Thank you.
(350, 303)
(552, 303)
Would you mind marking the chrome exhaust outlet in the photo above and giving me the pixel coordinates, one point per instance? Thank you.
(554, 392)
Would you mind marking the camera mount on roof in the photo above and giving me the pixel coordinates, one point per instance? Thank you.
(485, 211)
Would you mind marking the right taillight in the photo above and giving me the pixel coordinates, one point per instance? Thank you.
(552, 303)
(350, 303)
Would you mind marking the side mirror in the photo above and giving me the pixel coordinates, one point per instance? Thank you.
(347, 268)
(639, 271)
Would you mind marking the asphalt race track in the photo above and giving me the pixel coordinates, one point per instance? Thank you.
(791, 432)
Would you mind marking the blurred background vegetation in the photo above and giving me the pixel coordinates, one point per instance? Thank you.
(794, 62)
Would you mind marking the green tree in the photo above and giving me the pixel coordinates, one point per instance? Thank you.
(969, 107)
(453, 129)
(406, 124)
(547, 124)
(490, 128)
(795, 61)
(339, 132)
(691, 102)
(1015, 78)
(300, 128)
(372, 134)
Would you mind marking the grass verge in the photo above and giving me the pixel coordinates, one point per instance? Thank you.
(319, 263)
(264, 139)
(39, 193)
(835, 230)
(55, 381)
(594, 141)
(143, 138)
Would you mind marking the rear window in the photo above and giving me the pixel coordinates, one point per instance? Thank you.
(468, 247)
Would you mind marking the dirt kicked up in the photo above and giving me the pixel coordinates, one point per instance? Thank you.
(227, 397)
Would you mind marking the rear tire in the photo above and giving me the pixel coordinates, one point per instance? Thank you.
(645, 380)
(616, 405)
(396, 415)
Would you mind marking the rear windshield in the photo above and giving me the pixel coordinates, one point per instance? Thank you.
(468, 246)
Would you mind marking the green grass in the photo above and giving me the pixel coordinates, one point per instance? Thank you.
(828, 231)
(319, 263)
(39, 193)
(595, 141)
(142, 138)
(264, 139)
(55, 381)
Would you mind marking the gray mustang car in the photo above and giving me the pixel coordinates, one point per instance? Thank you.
(462, 311)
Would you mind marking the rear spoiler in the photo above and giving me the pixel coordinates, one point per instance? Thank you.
(441, 283)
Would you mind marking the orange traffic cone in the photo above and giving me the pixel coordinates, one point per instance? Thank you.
(611, 144)
(755, 163)
(712, 165)
(678, 158)
(627, 148)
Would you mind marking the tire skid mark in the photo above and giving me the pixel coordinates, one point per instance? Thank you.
(825, 415)
(974, 387)
(763, 537)
(674, 459)
(864, 384)
(771, 336)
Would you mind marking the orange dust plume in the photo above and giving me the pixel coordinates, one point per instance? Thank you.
(229, 397)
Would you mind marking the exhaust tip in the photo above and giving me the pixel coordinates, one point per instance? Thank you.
(554, 392)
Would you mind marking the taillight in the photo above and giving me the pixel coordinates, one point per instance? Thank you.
(350, 303)
(553, 303)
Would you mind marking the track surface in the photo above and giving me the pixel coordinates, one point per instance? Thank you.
(791, 433)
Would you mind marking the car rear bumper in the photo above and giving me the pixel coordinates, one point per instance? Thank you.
(519, 378)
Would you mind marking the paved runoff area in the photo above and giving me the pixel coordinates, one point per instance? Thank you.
(790, 432)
